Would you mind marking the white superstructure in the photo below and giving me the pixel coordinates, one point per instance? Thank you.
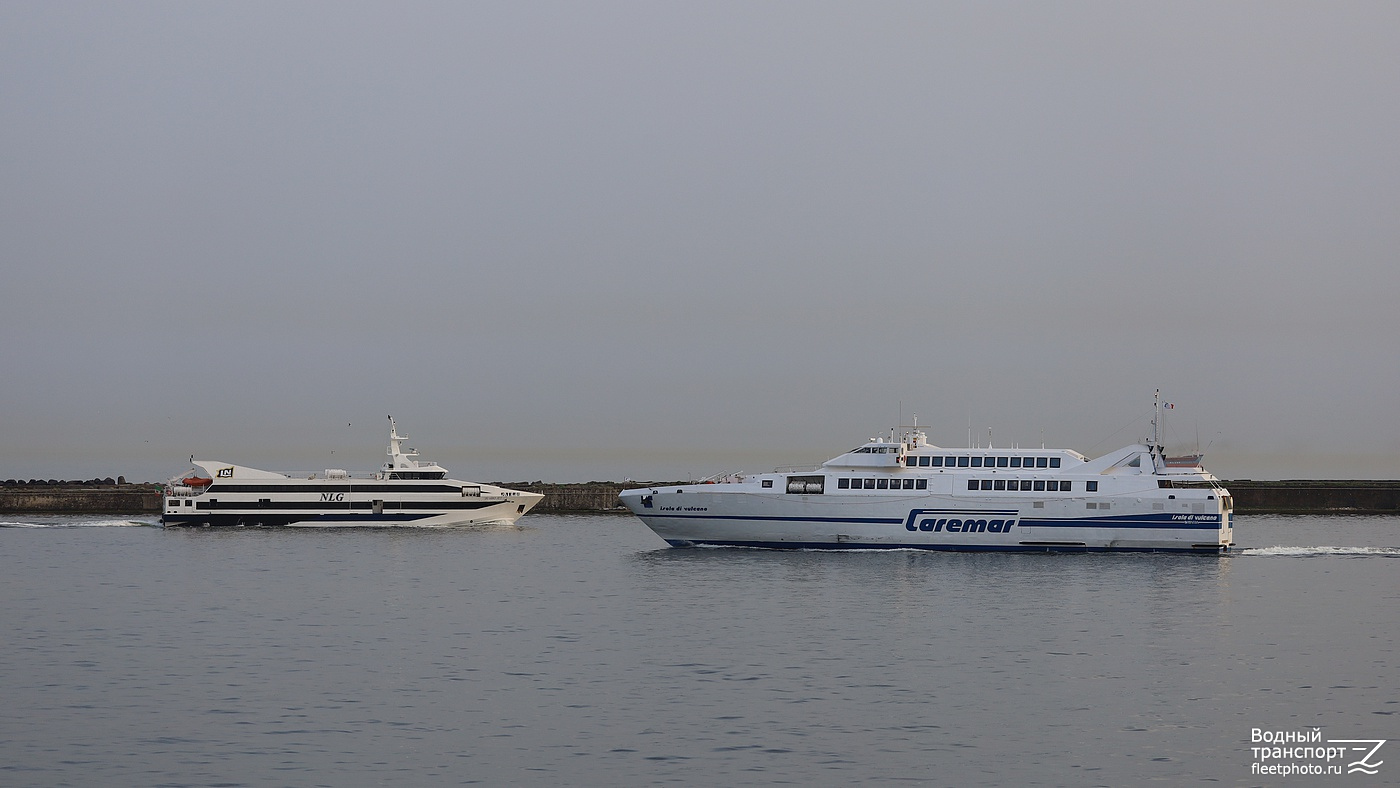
(903, 492)
(406, 492)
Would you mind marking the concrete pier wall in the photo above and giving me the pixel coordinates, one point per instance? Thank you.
(1315, 497)
(62, 499)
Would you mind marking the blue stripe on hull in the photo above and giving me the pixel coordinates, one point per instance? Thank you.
(867, 520)
(958, 548)
(271, 520)
(1128, 521)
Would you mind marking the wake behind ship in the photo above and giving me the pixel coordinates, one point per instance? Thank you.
(406, 492)
(904, 492)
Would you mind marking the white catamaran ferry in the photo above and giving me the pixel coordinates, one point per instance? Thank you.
(406, 492)
(907, 493)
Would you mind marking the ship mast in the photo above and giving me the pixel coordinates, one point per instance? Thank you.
(1156, 415)
(1158, 452)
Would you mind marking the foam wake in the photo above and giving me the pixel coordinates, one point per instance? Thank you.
(1355, 552)
(75, 522)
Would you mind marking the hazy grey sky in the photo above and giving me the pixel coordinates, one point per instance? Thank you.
(572, 241)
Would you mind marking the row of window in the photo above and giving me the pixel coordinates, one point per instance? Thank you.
(1029, 485)
(925, 461)
(882, 484)
(1012, 485)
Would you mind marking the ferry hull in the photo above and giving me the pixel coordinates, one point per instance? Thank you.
(926, 523)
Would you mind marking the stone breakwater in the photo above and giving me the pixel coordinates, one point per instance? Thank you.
(1251, 497)
(99, 496)
(1300, 496)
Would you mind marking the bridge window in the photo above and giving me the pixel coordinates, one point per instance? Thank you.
(963, 462)
(925, 461)
(1042, 462)
(936, 462)
(1015, 462)
(1002, 462)
(977, 462)
(1027, 462)
(1054, 462)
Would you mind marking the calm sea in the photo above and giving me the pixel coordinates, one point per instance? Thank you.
(580, 650)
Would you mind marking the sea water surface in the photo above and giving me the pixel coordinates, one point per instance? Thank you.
(580, 650)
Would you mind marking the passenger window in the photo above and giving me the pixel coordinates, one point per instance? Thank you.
(1065, 486)
(1091, 486)
(986, 484)
(908, 484)
(1040, 485)
(882, 484)
(1052, 486)
(1026, 485)
(869, 484)
(971, 484)
(767, 482)
(843, 484)
(1000, 484)
(921, 484)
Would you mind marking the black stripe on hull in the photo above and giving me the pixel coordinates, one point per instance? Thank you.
(363, 488)
(350, 507)
(254, 519)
